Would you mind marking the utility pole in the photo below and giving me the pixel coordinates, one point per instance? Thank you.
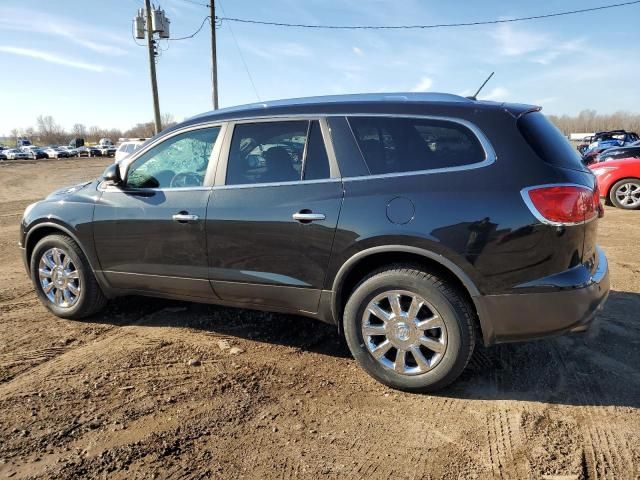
(152, 21)
(152, 66)
(214, 61)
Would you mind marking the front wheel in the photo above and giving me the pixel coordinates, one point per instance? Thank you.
(626, 194)
(409, 329)
(63, 278)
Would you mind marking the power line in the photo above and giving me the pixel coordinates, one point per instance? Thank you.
(196, 3)
(194, 33)
(255, 90)
(435, 25)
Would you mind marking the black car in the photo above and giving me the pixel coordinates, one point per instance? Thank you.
(415, 223)
(35, 153)
(603, 141)
(630, 151)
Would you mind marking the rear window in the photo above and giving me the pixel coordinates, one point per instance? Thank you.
(548, 142)
(395, 144)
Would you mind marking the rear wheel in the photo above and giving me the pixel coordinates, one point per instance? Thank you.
(409, 329)
(63, 278)
(626, 194)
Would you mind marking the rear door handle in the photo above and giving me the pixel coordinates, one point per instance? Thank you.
(184, 217)
(306, 216)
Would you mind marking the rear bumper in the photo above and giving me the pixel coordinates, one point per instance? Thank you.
(547, 308)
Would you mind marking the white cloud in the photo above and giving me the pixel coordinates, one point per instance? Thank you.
(358, 51)
(513, 43)
(37, 22)
(537, 47)
(423, 85)
(52, 58)
(497, 94)
(276, 51)
(545, 100)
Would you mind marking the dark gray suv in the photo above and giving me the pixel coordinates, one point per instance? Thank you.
(416, 223)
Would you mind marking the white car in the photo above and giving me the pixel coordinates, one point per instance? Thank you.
(56, 152)
(106, 150)
(126, 148)
(15, 154)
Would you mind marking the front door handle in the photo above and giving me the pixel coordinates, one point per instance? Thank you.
(184, 217)
(306, 216)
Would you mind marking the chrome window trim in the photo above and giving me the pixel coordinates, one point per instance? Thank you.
(278, 184)
(489, 152)
(125, 164)
(524, 193)
(103, 187)
(221, 173)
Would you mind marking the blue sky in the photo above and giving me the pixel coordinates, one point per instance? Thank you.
(76, 59)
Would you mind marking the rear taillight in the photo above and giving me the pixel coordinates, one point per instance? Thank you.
(563, 204)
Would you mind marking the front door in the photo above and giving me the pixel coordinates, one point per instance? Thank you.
(270, 227)
(150, 232)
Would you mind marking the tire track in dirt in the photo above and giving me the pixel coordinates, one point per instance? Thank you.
(606, 456)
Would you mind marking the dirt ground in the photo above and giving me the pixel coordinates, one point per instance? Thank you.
(278, 396)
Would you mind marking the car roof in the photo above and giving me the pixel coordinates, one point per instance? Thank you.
(352, 103)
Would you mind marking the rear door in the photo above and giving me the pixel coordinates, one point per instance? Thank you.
(273, 213)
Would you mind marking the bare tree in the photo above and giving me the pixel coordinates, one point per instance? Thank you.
(588, 121)
(14, 135)
(49, 131)
(167, 120)
(79, 130)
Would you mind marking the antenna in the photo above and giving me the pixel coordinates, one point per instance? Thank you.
(475, 96)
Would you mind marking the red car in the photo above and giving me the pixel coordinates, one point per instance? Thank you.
(619, 182)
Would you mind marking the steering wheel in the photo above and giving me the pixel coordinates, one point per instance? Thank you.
(186, 179)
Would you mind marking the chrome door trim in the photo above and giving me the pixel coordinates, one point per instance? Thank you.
(308, 217)
(184, 217)
(278, 184)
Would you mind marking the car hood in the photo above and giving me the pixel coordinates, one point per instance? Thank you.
(63, 192)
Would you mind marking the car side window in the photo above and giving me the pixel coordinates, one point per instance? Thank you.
(179, 161)
(395, 144)
(268, 152)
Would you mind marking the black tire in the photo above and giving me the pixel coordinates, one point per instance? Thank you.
(90, 299)
(614, 199)
(453, 309)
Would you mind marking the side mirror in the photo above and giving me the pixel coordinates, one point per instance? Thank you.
(112, 174)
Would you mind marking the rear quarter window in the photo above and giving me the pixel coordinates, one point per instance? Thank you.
(548, 142)
(397, 144)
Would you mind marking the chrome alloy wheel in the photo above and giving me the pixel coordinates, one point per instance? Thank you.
(404, 332)
(628, 194)
(59, 278)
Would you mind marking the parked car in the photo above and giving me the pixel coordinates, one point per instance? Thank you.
(126, 148)
(15, 154)
(56, 152)
(34, 152)
(619, 182)
(582, 147)
(83, 151)
(71, 152)
(630, 151)
(107, 150)
(94, 152)
(2, 154)
(414, 223)
(605, 140)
